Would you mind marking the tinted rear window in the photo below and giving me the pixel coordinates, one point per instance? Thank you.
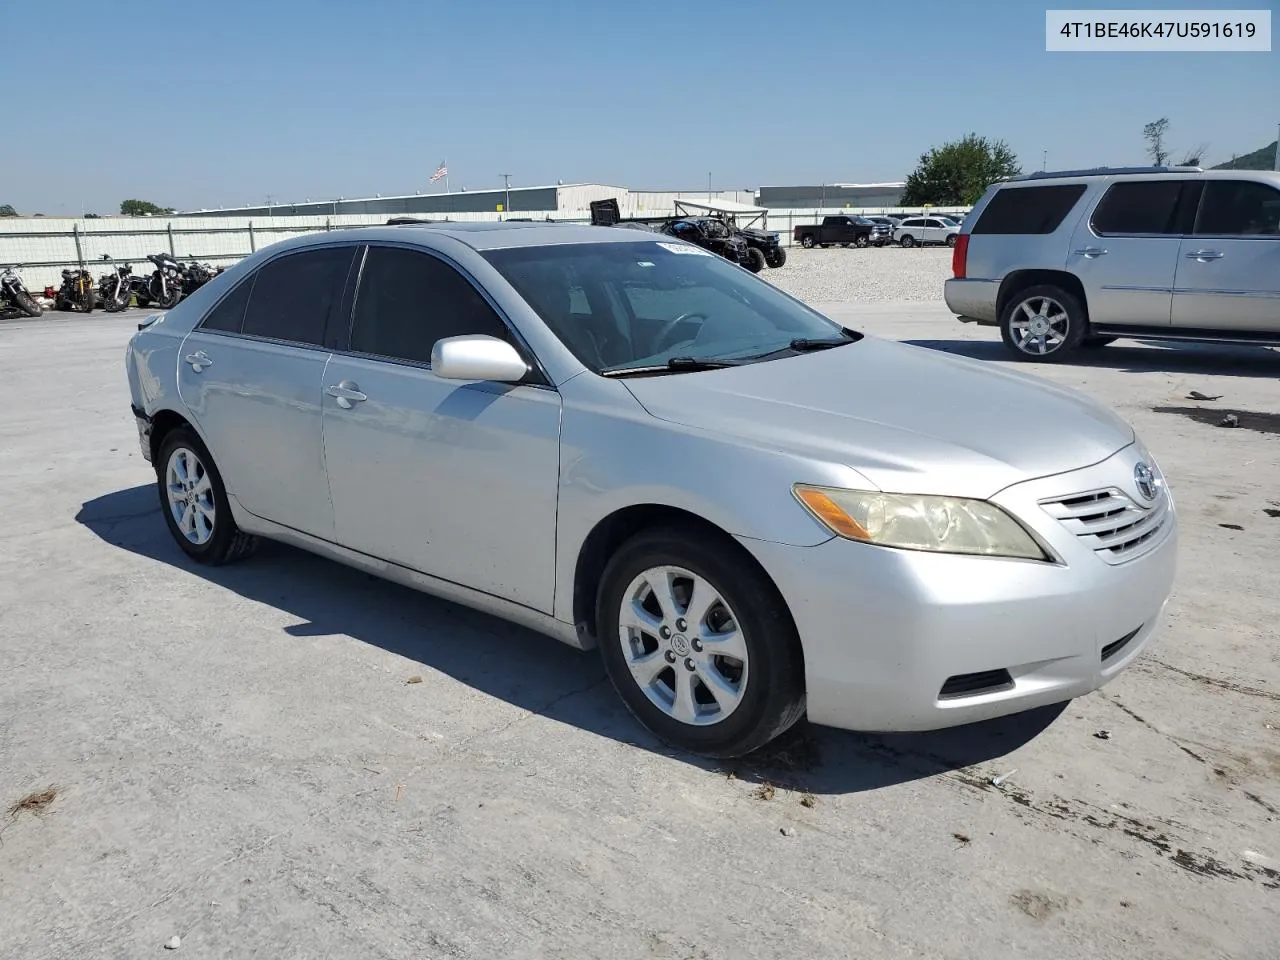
(1026, 210)
(1141, 206)
(294, 295)
(229, 313)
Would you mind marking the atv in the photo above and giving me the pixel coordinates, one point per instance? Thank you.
(715, 235)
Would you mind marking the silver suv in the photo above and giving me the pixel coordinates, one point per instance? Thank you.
(1066, 260)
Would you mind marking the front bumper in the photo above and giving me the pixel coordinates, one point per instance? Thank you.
(886, 631)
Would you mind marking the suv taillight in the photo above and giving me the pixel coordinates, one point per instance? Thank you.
(959, 255)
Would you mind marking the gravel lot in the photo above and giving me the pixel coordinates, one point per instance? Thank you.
(240, 759)
(869, 275)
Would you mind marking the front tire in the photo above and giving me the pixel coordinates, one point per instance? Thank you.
(776, 258)
(734, 678)
(951, 240)
(1043, 323)
(194, 501)
(754, 260)
(907, 240)
(861, 242)
(27, 304)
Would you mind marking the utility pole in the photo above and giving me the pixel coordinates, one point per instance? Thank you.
(506, 193)
(270, 197)
(708, 186)
(1044, 160)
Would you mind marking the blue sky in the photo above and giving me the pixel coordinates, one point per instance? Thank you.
(322, 98)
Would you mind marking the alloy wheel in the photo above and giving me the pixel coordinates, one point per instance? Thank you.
(1039, 325)
(683, 646)
(190, 491)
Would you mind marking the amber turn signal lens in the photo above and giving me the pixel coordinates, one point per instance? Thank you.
(827, 510)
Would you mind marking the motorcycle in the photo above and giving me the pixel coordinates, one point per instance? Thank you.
(77, 292)
(164, 289)
(115, 289)
(14, 295)
(195, 276)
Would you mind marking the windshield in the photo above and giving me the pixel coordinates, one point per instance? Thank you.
(618, 306)
(948, 222)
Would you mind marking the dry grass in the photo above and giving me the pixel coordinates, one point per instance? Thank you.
(35, 802)
(764, 791)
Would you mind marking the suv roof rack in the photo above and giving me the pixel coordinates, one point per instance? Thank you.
(1101, 172)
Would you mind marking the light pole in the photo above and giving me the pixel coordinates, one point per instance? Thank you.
(506, 193)
(1044, 160)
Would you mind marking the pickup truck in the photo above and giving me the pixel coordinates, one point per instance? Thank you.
(843, 230)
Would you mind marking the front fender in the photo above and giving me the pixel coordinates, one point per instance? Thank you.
(618, 456)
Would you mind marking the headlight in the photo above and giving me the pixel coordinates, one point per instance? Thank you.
(915, 522)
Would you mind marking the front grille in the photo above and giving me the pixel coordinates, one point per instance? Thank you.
(972, 684)
(1111, 649)
(1110, 524)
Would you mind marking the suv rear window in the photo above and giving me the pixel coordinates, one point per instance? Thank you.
(1138, 207)
(1023, 210)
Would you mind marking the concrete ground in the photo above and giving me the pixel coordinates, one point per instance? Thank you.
(240, 759)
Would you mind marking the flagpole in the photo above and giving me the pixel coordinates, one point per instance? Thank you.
(446, 176)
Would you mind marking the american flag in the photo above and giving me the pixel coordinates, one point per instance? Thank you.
(441, 172)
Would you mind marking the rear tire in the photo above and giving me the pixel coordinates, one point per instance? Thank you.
(733, 702)
(807, 241)
(1043, 323)
(194, 502)
(754, 260)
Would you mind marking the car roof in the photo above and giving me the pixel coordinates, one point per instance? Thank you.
(1137, 173)
(480, 235)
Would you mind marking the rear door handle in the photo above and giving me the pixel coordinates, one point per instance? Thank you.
(1090, 252)
(347, 393)
(1203, 255)
(198, 360)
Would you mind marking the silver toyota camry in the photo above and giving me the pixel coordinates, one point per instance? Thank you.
(625, 442)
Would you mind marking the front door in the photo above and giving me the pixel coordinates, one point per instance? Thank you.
(454, 479)
(252, 374)
(1126, 252)
(1228, 275)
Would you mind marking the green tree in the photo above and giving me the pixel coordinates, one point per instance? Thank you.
(92, 216)
(142, 208)
(1153, 133)
(6, 210)
(957, 173)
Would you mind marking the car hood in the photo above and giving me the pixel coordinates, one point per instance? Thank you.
(908, 419)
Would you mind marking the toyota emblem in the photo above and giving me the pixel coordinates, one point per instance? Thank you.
(1144, 478)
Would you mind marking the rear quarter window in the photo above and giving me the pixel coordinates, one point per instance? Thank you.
(1029, 210)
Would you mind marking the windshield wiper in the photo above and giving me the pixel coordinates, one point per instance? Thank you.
(802, 344)
(674, 365)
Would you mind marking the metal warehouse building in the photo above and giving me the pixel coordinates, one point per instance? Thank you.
(831, 195)
(573, 196)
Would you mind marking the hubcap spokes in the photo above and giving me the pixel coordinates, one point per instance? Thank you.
(190, 495)
(683, 645)
(1039, 325)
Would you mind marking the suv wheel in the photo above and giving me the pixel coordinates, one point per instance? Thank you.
(951, 240)
(699, 644)
(907, 240)
(1043, 323)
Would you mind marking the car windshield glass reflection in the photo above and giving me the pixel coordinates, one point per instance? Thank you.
(627, 306)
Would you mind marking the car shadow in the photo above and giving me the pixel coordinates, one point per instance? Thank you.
(537, 673)
(1135, 356)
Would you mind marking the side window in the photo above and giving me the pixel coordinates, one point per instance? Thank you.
(228, 315)
(1028, 210)
(1138, 207)
(408, 300)
(1238, 208)
(294, 295)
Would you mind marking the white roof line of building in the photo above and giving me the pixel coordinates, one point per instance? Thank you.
(401, 196)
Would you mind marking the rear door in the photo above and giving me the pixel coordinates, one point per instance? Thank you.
(252, 374)
(1228, 272)
(454, 479)
(1126, 250)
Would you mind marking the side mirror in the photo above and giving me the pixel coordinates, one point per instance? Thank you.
(477, 357)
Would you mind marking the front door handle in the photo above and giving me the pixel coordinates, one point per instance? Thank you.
(347, 393)
(198, 360)
(1090, 252)
(1203, 255)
